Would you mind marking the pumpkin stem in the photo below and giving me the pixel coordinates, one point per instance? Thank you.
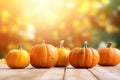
(61, 43)
(109, 44)
(84, 44)
(19, 46)
(43, 41)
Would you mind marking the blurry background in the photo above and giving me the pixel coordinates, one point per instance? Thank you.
(30, 21)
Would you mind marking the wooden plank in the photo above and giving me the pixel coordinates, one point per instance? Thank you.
(78, 74)
(57, 73)
(53, 74)
(31, 73)
(3, 66)
(106, 72)
(117, 67)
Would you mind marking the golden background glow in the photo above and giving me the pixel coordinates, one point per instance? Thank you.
(30, 21)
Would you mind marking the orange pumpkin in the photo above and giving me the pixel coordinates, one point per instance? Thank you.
(18, 58)
(109, 56)
(63, 54)
(43, 55)
(83, 57)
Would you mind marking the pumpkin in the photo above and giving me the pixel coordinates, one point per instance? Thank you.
(84, 57)
(109, 56)
(43, 55)
(18, 58)
(63, 54)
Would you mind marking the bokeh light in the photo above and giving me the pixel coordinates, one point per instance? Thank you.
(30, 21)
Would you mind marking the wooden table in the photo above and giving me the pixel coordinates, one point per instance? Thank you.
(60, 73)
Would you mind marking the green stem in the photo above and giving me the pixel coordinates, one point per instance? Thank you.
(109, 44)
(61, 43)
(84, 44)
(19, 46)
(43, 42)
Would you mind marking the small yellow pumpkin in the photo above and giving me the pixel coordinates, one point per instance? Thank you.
(63, 56)
(18, 58)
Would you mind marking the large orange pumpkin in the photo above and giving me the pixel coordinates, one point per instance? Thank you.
(109, 56)
(63, 54)
(43, 55)
(18, 58)
(83, 57)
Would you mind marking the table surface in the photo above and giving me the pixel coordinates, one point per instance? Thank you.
(60, 73)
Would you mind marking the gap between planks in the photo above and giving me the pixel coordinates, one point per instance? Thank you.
(78, 74)
(106, 72)
(64, 73)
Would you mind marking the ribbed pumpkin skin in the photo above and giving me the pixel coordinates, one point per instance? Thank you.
(109, 56)
(17, 59)
(83, 57)
(43, 55)
(63, 57)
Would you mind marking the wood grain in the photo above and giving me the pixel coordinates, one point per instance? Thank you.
(30, 73)
(106, 72)
(60, 73)
(78, 74)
